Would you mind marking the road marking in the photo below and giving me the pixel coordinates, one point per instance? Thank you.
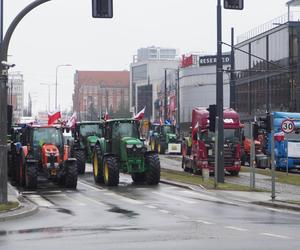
(164, 211)
(90, 186)
(205, 222)
(237, 228)
(276, 236)
(40, 201)
(273, 209)
(151, 206)
(175, 198)
(123, 198)
(182, 217)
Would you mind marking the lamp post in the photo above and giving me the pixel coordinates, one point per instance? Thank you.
(57, 67)
(49, 85)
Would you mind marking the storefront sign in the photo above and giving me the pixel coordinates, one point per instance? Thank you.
(187, 61)
(211, 60)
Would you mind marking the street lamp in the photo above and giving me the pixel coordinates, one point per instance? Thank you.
(49, 85)
(57, 67)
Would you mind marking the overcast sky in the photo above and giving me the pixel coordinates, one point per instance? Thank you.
(63, 32)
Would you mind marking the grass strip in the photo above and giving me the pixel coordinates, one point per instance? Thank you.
(192, 179)
(282, 177)
(8, 206)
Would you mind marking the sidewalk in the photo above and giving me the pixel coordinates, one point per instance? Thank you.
(25, 207)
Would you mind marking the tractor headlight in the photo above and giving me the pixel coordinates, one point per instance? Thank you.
(139, 145)
(129, 146)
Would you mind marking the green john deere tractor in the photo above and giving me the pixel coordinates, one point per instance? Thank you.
(86, 134)
(122, 150)
(165, 139)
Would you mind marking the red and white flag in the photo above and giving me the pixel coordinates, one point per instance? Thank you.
(53, 117)
(140, 115)
(71, 122)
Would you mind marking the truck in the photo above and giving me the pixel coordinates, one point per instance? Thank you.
(164, 139)
(122, 150)
(287, 153)
(85, 135)
(202, 153)
(41, 150)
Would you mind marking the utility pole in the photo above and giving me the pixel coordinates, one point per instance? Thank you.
(232, 74)
(3, 95)
(178, 101)
(219, 97)
(166, 99)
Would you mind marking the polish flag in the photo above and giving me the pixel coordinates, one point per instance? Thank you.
(71, 122)
(106, 116)
(53, 117)
(140, 115)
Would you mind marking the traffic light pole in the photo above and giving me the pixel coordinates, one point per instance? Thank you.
(3, 97)
(219, 97)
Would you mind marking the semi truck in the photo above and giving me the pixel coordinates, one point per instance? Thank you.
(202, 153)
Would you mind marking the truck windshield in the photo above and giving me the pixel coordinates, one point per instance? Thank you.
(90, 129)
(125, 130)
(43, 136)
(231, 135)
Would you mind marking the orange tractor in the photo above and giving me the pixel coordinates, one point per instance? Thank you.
(41, 150)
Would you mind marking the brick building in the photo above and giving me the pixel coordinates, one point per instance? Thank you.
(98, 91)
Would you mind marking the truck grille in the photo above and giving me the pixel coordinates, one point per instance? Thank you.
(229, 154)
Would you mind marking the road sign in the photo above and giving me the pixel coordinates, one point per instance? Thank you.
(288, 126)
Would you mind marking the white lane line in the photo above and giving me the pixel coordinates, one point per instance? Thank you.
(164, 211)
(237, 228)
(273, 209)
(276, 236)
(90, 186)
(174, 197)
(40, 201)
(123, 198)
(151, 206)
(205, 222)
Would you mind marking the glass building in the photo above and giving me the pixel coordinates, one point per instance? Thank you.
(268, 71)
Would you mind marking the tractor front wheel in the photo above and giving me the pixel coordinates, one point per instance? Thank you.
(97, 169)
(80, 157)
(153, 173)
(71, 175)
(31, 176)
(110, 171)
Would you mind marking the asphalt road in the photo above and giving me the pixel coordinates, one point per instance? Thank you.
(145, 217)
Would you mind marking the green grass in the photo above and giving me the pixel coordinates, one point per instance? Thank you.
(8, 206)
(197, 180)
(282, 177)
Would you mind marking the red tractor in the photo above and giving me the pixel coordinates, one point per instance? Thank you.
(42, 150)
(202, 152)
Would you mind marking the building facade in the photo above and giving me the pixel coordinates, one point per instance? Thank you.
(98, 91)
(15, 95)
(147, 73)
(268, 70)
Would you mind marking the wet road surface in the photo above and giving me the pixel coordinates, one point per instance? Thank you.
(145, 217)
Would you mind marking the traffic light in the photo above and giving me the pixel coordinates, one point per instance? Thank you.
(266, 123)
(212, 117)
(234, 4)
(102, 8)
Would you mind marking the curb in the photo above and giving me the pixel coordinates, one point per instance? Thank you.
(176, 184)
(277, 204)
(20, 214)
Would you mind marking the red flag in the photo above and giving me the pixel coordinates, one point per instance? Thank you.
(53, 117)
(106, 116)
(71, 122)
(140, 115)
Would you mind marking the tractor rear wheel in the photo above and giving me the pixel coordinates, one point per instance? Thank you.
(153, 173)
(31, 175)
(138, 177)
(80, 157)
(71, 175)
(110, 171)
(97, 168)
